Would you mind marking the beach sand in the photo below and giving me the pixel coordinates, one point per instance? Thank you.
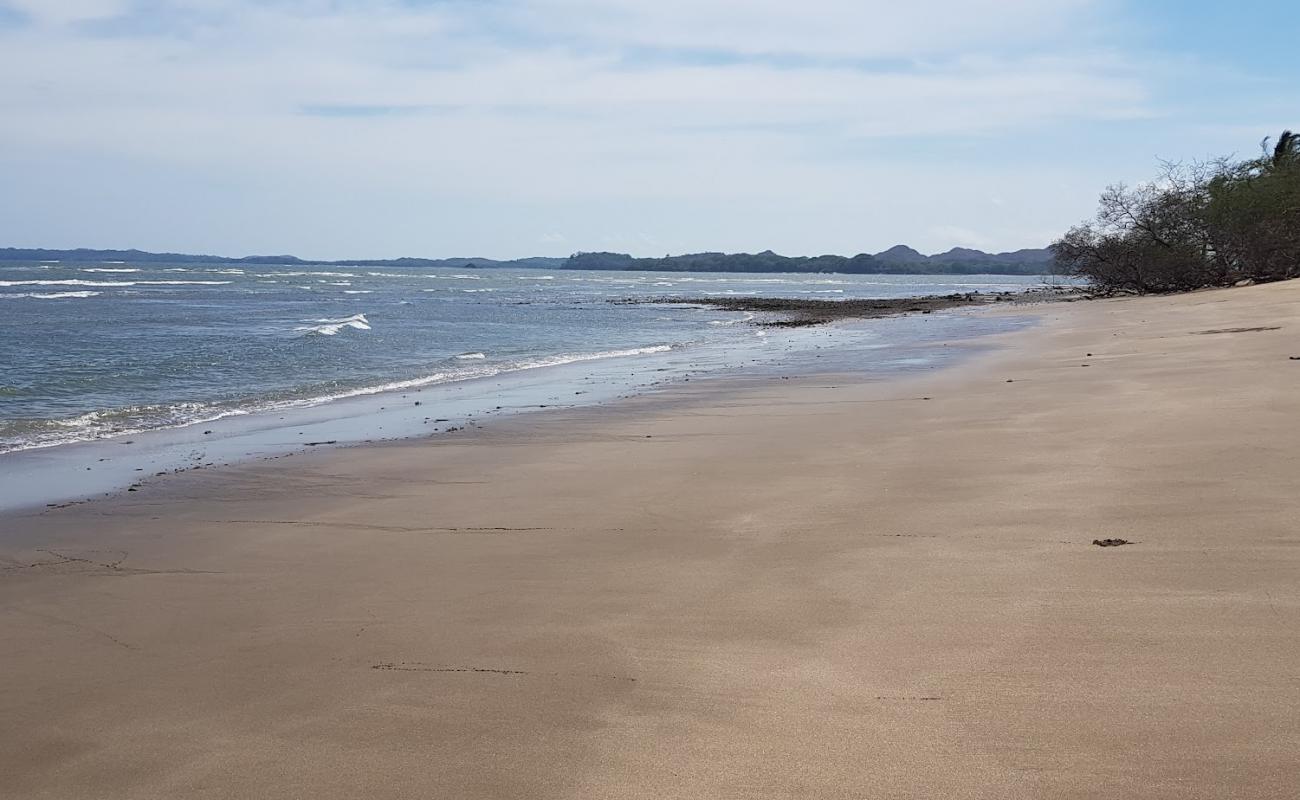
(817, 588)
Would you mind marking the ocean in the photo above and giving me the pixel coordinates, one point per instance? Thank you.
(110, 352)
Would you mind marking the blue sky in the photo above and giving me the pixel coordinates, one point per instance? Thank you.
(504, 128)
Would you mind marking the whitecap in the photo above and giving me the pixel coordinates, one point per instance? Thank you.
(471, 356)
(748, 317)
(68, 282)
(51, 295)
(307, 275)
(80, 282)
(330, 327)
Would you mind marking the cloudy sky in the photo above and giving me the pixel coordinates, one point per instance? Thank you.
(504, 128)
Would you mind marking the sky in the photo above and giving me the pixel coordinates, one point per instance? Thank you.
(508, 128)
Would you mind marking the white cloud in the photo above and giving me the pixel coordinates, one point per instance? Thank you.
(65, 12)
(844, 28)
(601, 107)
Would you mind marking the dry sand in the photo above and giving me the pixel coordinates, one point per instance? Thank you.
(815, 588)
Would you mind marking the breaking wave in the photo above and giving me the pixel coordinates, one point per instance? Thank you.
(50, 295)
(331, 327)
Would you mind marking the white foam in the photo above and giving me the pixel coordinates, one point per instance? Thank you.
(110, 269)
(50, 295)
(468, 373)
(125, 422)
(307, 275)
(471, 356)
(68, 282)
(184, 283)
(80, 282)
(331, 327)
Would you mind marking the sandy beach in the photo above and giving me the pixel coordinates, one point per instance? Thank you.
(820, 587)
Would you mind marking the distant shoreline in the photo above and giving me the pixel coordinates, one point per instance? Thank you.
(899, 260)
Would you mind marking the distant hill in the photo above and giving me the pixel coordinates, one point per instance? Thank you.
(899, 259)
(896, 260)
(142, 257)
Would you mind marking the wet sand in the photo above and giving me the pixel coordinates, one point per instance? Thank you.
(817, 587)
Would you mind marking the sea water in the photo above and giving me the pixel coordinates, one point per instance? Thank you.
(112, 353)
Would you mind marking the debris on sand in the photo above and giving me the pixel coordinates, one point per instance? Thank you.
(1110, 542)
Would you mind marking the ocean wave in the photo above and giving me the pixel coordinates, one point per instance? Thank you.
(94, 425)
(50, 295)
(747, 318)
(357, 291)
(471, 356)
(470, 373)
(110, 269)
(80, 282)
(184, 283)
(331, 327)
(307, 275)
(67, 282)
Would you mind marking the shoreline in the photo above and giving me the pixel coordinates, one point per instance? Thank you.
(819, 586)
(793, 312)
(77, 472)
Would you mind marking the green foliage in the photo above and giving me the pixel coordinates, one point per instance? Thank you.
(1205, 224)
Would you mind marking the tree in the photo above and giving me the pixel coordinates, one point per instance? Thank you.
(1205, 224)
